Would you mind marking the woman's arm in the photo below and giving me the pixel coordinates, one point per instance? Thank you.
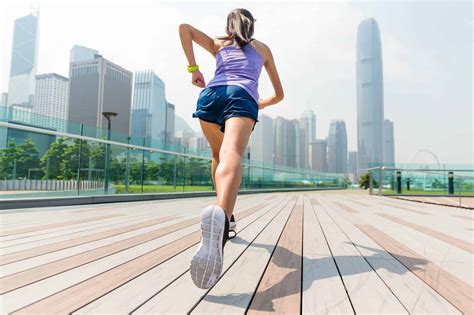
(188, 34)
(270, 67)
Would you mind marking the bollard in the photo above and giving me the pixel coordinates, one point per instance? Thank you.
(408, 184)
(450, 183)
(399, 182)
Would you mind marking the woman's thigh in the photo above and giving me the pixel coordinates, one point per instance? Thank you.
(213, 135)
(237, 134)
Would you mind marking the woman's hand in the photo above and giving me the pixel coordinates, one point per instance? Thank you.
(261, 103)
(198, 79)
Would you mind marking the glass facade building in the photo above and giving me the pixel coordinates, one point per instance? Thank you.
(51, 101)
(150, 108)
(261, 140)
(388, 143)
(98, 86)
(21, 89)
(337, 147)
(370, 105)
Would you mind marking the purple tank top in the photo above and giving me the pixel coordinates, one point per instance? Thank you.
(238, 66)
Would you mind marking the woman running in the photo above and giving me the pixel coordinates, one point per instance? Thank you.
(227, 109)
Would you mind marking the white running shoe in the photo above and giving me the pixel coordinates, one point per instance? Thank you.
(206, 264)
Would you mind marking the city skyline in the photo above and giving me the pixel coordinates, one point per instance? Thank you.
(438, 140)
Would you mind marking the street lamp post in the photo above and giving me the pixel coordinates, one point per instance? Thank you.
(127, 166)
(108, 116)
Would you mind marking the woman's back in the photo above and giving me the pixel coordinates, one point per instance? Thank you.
(240, 66)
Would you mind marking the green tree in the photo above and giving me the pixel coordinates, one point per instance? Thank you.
(7, 157)
(364, 181)
(70, 160)
(28, 158)
(166, 170)
(117, 170)
(52, 169)
(98, 157)
(152, 171)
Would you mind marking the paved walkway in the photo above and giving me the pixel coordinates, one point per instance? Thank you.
(314, 253)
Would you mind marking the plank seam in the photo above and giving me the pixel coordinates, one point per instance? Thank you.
(270, 258)
(332, 255)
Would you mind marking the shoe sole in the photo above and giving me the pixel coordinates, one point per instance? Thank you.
(207, 261)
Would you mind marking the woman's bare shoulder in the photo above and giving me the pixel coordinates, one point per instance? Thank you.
(261, 47)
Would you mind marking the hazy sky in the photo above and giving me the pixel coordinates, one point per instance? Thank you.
(427, 52)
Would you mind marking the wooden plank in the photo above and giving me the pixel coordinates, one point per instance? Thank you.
(323, 290)
(453, 289)
(234, 290)
(279, 289)
(345, 207)
(76, 296)
(367, 292)
(130, 296)
(439, 235)
(415, 295)
(53, 225)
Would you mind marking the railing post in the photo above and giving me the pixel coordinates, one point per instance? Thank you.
(380, 180)
(371, 183)
(127, 166)
(79, 163)
(399, 182)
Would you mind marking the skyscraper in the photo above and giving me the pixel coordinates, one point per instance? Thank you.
(261, 140)
(309, 119)
(81, 53)
(150, 108)
(51, 100)
(388, 143)
(281, 138)
(337, 147)
(308, 124)
(170, 122)
(21, 87)
(370, 105)
(352, 162)
(4, 99)
(98, 86)
(318, 155)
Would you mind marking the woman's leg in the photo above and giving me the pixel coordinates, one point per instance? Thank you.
(229, 170)
(214, 136)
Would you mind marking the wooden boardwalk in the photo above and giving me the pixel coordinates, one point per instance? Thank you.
(311, 253)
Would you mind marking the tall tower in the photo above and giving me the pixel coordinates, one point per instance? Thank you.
(388, 143)
(308, 125)
(150, 108)
(21, 89)
(337, 147)
(370, 107)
